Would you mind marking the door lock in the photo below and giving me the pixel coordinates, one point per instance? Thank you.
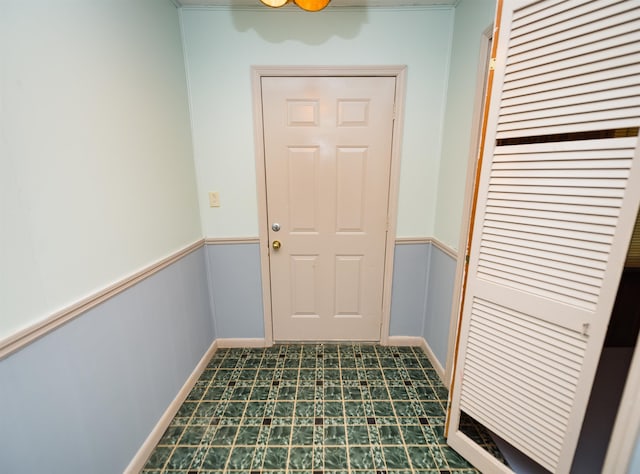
(275, 227)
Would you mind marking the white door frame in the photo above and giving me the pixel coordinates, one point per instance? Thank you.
(481, 94)
(257, 73)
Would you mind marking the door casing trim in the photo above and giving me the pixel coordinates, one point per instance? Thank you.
(481, 96)
(257, 73)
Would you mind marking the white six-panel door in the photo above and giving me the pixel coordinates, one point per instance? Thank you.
(557, 200)
(327, 159)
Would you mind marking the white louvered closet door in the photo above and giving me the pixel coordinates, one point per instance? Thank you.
(557, 200)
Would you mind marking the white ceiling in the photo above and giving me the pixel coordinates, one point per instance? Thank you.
(333, 4)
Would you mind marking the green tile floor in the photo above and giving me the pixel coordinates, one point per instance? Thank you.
(314, 409)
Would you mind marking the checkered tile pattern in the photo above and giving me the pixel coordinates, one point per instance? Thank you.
(314, 409)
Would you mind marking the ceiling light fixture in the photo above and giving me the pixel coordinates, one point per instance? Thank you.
(308, 5)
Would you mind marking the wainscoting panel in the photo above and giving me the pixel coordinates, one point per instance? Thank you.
(236, 289)
(423, 281)
(84, 397)
(409, 291)
(442, 272)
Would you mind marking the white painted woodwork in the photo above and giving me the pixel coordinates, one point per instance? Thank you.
(553, 225)
(327, 147)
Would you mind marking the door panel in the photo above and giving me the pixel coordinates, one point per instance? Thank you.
(559, 191)
(327, 159)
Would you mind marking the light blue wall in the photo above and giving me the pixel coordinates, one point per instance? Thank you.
(83, 398)
(422, 290)
(409, 290)
(236, 290)
(423, 280)
(442, 270)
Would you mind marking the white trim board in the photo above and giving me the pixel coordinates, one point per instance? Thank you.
(412, 240)
(450, 251)
(434, 360)
(465, 222)
(140, 458)
(422, 343)
(22, 338)
(231, 240)
(241, 342)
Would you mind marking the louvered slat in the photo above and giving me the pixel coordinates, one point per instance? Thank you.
(542, 287)
(559, 182)
(569, 58)
(558, 114)
(551, 264)
(584, 149)
(558, 199)
(552, 223)
(554, 207)
(568, 163)
(530, 410)
(584, 261)
(540, 273)
(625, 117)
(590, 80)
(573, 47)
(546, 92)
(554, 213)
(498, 395)
(567, 358)
(550, 73)
(561, 277)
(545, 281)
(596, 61)
(513, 368)
(543, 240)
(538, 13)
(533, 231)
(544, 453)
(564, 191)
(571, 23)
(574, 54)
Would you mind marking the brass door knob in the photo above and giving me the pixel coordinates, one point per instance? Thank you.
(276, 244)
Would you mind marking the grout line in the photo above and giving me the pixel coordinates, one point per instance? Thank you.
(232, 365)
(344, 412)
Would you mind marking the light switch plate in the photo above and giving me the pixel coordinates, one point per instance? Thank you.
(214, 199)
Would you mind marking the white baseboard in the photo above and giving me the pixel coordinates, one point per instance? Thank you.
(139, 460)
(404, 341)
(422, 343)
(434, 361)
(242, 342)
